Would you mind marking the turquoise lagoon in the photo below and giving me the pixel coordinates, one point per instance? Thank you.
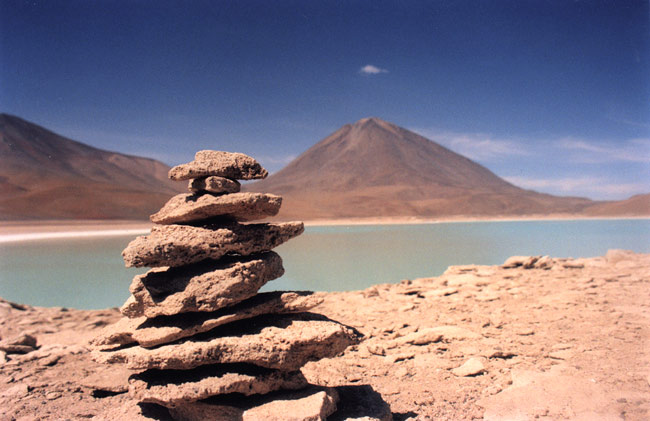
(88, 273)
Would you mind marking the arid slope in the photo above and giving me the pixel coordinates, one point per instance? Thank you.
(373, 168)
(46, 176)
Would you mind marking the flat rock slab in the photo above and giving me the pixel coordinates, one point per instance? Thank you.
(213, 184)
(236, 166)
(21, 344)
(178, 245)
(172, 388)
(206, 286)
(557, 397)
(284, 343)
(239, 206)
(313, 404)
(472, 367)
(166, 329)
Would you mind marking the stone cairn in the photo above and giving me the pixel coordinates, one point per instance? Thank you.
(205, 344)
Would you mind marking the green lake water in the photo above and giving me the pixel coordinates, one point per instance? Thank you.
(89, 273)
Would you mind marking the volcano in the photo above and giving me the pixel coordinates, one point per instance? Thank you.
(374, 168)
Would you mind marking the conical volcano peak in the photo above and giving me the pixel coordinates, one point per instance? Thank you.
(369, 124)
(368, 121)
(376, 168)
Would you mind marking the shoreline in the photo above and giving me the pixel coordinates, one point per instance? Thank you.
(18, 231)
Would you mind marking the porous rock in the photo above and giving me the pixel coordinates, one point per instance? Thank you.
(166, 329)
(527, 262)
(312, 404)
(20, 344)
(239, 206)
(205, 286)
(171, 388)
(236, 166)
(177, 245)
(312, 407)
(213, 184)
(287, 344)
(471, 367)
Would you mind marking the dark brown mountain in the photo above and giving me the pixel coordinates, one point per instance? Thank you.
(47, 176)
(373, 168)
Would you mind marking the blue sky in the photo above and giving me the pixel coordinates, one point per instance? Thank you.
(551, 95)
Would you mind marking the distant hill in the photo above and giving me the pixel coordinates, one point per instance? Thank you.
(373, 168)
(46, 176)
(638, 205)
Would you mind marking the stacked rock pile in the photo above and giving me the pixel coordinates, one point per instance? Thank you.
(205, 343)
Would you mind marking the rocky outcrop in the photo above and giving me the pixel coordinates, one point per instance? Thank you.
(176, 245)
(196, 328)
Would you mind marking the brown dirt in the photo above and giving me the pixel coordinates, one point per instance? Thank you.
(569, 342)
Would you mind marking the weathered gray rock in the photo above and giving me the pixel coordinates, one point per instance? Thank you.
(287, 344)
(236, 166)
(172, 388)
(206, 286)
(162, 330)
(238, 206)
(312, 404)
(213, 184)
(177, 245)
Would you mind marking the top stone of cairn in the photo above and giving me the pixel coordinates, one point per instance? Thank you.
(235, 166)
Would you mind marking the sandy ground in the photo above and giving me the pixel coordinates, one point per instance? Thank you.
(35, 230)
(570, 340)
(11, 231)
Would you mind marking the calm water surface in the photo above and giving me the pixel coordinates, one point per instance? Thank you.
(89, 273)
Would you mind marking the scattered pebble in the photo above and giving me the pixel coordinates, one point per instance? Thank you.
(472, 367)
(376, 350)
(50, 396)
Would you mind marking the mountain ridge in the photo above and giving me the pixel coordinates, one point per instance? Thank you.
(44, 175)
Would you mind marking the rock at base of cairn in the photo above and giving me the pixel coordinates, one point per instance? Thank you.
(172, 388)
(283, 343)
(165, 329)
(314, 403)
(205, 343)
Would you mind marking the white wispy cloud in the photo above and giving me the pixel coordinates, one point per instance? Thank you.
(632, 150)
(370, 69)
(592, 187)
(477, 146)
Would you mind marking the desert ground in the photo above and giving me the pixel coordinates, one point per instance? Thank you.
(548, 339)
